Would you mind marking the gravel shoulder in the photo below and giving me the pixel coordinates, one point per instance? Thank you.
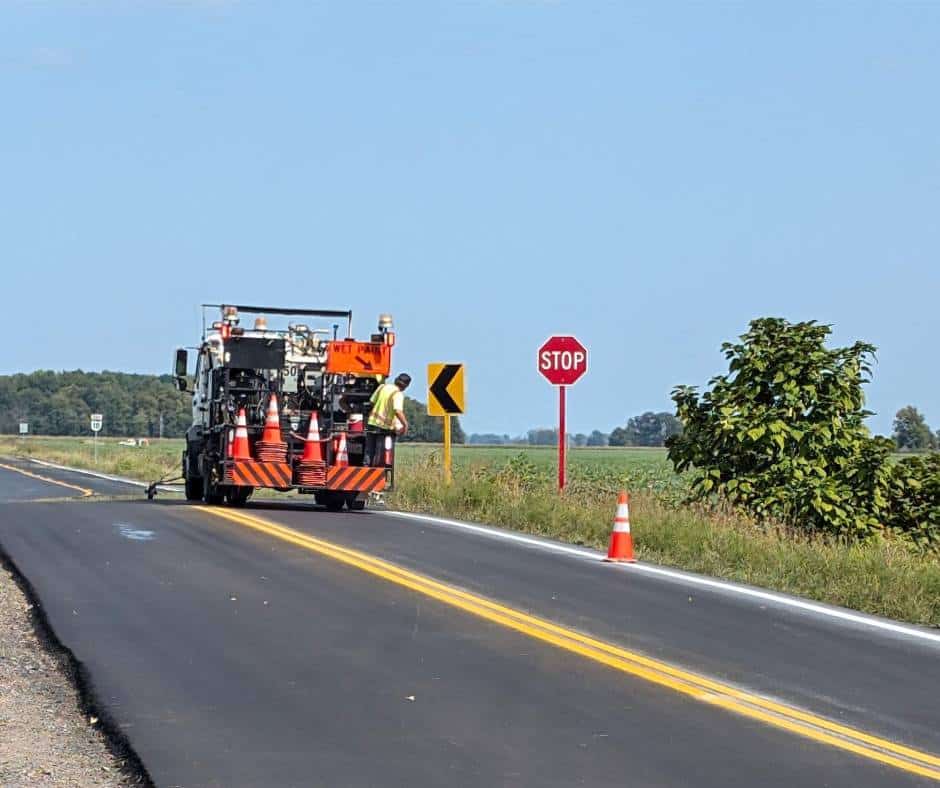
(46, 738)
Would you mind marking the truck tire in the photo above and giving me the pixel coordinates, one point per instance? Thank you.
(193, 488)
(354, 503)
(238, 496)
(210, 492)
(192, 482)
(334, 501)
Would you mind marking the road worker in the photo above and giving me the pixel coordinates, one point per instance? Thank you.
(388, 411)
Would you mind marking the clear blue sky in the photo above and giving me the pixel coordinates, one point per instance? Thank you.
(647, 177)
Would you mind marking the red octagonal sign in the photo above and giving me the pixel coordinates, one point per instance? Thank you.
(562, 360)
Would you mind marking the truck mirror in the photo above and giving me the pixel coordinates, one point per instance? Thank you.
(179, 366)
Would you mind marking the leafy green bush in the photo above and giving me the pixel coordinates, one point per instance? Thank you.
(913, 498)
(782, 435)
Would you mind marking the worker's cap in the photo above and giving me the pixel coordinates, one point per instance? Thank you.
(403, 380)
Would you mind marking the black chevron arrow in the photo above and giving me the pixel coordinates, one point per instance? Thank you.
(439, 388)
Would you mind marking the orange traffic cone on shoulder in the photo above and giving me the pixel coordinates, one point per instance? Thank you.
(621, 540)
(240, 448)
(341, 460)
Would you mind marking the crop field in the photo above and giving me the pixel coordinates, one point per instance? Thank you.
(161, 457)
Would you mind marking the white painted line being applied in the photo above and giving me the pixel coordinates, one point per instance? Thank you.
(840, 614)
(105, 476)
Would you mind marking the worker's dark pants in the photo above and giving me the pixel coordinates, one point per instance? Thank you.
(375, 446)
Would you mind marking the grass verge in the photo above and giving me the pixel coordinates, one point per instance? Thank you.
(886, 577)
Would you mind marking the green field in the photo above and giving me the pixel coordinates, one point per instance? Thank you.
(613, 458)
(162, 456)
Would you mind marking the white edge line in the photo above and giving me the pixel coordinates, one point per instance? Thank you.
(684, 577)
(97, 475)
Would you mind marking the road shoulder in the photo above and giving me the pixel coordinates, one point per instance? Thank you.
(49, 729)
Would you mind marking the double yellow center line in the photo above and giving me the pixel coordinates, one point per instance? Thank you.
(698, 687)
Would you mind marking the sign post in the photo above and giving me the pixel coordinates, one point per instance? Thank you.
(562, 360)
(96, 421)
(446, 398)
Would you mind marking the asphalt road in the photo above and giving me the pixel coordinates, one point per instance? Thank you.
(234, 653)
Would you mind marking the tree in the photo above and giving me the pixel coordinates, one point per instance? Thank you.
(423, 428)
(488, 438)
(652, 429)
(618, 437)
(543, 437)
(911, 431)
(782, 433)
(597, 438)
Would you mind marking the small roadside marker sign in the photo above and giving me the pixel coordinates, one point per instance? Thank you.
(24, 428)
(96, 421)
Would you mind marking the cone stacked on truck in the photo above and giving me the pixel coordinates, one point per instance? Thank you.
(271, 447)
(311, 468)
(240, 447)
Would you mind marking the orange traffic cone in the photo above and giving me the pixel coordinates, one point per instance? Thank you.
(341, 460)
(621, 541)
(240, 448)
(313, 451)
(272, 423)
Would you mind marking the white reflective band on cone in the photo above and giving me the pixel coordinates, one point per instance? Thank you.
(622, 520)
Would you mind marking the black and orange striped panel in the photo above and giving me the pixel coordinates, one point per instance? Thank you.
(248, 473)
(356, 479)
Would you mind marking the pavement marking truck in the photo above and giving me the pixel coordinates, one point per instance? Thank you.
(284, 408)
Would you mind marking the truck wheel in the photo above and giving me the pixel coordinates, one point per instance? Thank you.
(238, 496)
(193, 483)
(193, 488)
(334, 501)
(210, 492)
(354, 503)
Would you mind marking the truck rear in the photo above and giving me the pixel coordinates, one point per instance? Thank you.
(286, 407)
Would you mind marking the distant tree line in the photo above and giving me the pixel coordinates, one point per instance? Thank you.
(649, 429)
(61, 403)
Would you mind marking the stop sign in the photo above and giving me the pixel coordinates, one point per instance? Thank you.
(562, 360)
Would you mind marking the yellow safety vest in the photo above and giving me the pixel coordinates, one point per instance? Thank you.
(383, 407)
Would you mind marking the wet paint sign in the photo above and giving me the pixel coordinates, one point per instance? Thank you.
(358, 358)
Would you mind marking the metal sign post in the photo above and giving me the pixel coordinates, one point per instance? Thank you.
(562, 360)
(96, 421)
(446, 397)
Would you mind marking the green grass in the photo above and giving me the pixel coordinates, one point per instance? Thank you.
(159, 459)
(514, 488)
